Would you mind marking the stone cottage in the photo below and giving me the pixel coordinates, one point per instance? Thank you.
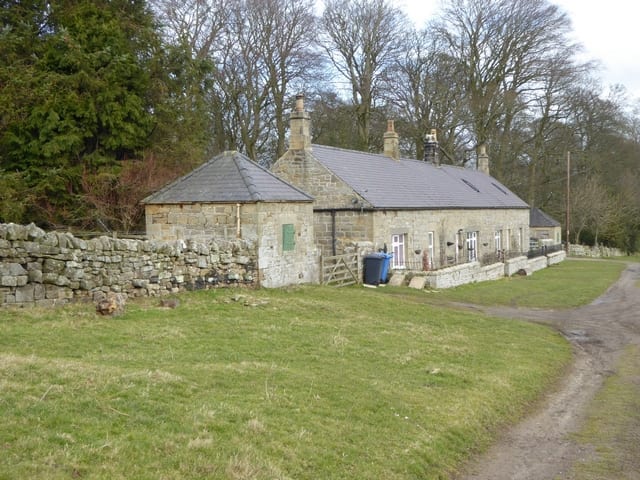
(544, 229)
(429, 215)
(231, 197)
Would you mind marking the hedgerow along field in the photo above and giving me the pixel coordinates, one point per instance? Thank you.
(299, 383)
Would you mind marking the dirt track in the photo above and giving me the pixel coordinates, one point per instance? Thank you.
(540, 447)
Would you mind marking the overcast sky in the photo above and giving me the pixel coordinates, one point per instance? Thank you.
(609, 31)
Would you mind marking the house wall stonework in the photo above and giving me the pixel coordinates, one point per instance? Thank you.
(377, 227)
(200, 222)
(279, 266)
(260, 223)
(299, 168)
(446, 224)
(553, 234)
(351, 227)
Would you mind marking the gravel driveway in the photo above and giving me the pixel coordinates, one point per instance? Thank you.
(540, 448)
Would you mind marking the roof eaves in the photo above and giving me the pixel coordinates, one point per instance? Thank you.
(153, 196)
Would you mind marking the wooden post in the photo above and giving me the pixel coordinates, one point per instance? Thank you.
(568, 209)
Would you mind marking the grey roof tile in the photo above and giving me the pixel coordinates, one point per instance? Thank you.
(537, 218)
(228, 177)
(408, 183)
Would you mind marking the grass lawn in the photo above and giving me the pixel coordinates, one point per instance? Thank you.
(613, 422)
(301, 383)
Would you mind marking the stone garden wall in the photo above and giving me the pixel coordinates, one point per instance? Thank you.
(473, 272)
(49, 268)
(598, 251)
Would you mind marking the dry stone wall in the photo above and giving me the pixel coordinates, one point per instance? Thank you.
(598, 251)
(49, 268)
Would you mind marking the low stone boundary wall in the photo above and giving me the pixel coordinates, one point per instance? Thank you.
(536, 263)
(473, 272)
(514, 265)
(597, 251)
(463, 274)
(556, 257)
(452, 276)
(40, 268)
(491, 272)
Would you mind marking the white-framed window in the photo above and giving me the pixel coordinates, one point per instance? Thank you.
(520, 239)
(398, 249)
(430, 248)
(472, 246)
(498, 240)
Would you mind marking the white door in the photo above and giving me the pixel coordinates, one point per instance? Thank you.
(397, 244)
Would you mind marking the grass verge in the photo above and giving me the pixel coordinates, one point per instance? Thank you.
(613, 423)
(566, 285)
(303, 383)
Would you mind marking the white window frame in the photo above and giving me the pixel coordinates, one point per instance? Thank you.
(472, 246)
(520, 240)
(430, 248)
(398, 242)
(498, 240)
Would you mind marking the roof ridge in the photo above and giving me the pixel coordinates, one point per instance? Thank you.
(274, 176)
(245, 173)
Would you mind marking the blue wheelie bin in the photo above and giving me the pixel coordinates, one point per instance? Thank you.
(386, 263)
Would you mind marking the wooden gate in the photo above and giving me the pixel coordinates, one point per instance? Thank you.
(340, 270)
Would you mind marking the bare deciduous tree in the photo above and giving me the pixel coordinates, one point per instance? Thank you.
(503, 47)
(592, 207)
(424, 88)
(362, 38)
(259, 51)
(286, 35)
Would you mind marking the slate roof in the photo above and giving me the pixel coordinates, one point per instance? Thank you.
(537, 218)
(414, 184)
(228, 177)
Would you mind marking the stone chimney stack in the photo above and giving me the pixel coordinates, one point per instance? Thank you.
(431, 148)
(300, 126)
(483, 158)
(391, 143)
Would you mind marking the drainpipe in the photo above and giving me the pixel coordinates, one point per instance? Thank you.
(333, 232)
(238, 220)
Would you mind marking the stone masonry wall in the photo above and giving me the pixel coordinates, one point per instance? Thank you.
(45, 269)
(259, 223)
(299, 168)
(596, 252)
(351, 227)
(279, 267)
(473, 272)
(200, 222)
(445, 224)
